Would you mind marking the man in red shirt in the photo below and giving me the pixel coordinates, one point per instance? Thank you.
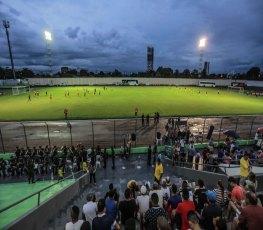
(236, 198)
(183, 209)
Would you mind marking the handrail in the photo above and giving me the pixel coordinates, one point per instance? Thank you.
(36, 193)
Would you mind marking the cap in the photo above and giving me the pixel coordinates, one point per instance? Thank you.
(143, 189)
(168, 182)
(211, 195)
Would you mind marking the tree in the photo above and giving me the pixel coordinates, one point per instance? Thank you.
(176, 73)
(253, 73)
(194, 73)
(116, 73)
(83, 73)
(186, 73)
(2, 73)
(73, 72)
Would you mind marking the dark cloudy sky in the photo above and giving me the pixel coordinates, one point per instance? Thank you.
(109, 34)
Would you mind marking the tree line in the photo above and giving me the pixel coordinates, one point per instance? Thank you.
(254, 73)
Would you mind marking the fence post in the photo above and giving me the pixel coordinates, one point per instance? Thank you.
(38, 199)
(24, 133)
(251, 127)
(70, 127)
(220, 128)
(236, 124)
(2, 141)
(203, 130)
(48, 134)
(114, 133)
(92, 133)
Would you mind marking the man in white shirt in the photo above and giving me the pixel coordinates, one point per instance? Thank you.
(75, 223)
(143, 202)
(90, 208)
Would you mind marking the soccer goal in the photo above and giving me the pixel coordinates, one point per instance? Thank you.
(17, 90)
(241, 90)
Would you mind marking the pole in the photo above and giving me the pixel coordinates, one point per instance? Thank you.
(49, 58)
(251, 127)
(203, 131)
(7, 25)
(220, 129)
(236, 124)
(48, 134)
(114, 133)
(2, 141)
(24, 133)
(92, 133)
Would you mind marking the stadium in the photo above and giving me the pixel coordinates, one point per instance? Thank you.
(131, 115)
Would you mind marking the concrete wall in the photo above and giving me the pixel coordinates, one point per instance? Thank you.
(108, 80)
(36, 218)
(209, 178)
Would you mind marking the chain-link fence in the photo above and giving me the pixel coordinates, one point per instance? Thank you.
(116, 132)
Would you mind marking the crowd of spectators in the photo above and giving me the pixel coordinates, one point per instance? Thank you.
(54, 162)
(169, 206)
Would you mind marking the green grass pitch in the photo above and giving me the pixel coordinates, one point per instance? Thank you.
(119, 102)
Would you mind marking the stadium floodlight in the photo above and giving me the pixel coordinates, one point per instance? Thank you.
(48, 41)
(202, 44)
(6, 25)
(48, 36)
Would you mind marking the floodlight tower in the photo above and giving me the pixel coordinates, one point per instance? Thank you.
(7, 25)
(202, 43)
(48, 43)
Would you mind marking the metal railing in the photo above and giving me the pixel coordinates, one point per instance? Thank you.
(38, 193)
(116, 132)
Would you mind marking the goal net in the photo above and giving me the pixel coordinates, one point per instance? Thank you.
(241, 90)
(17, 90)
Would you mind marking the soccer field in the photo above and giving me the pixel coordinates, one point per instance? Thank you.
(119, 102)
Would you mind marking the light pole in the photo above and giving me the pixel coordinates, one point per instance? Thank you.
(202, 43)
(48, 43)
(7, 25)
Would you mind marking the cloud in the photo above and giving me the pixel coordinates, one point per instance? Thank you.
(115, 34)
(72, 32)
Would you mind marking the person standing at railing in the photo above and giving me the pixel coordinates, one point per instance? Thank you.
(30, 170)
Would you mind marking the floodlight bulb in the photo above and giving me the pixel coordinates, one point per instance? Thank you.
(48, 36)
(202, 42)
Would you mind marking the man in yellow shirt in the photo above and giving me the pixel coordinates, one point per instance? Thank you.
(158, 172)
(244, 168)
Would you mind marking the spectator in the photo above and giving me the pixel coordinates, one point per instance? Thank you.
(75, 223)
(183, 209)
(211, 210)
(158, 172)
(143, 203)
(251, 180)
(185, 186)
(199, 195)
(221, 194)
(165, 190)
(104, 221)
(157, 190)
(153, 213)
(260, 157)
(193, 220)
(220, 223)
(236, 196)
(90, 208)
(172, 203)
(130, 224)
(116, 195)
(111, 205)
(251, 215)
(162, 223)
(244, 168)
(127, 207)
